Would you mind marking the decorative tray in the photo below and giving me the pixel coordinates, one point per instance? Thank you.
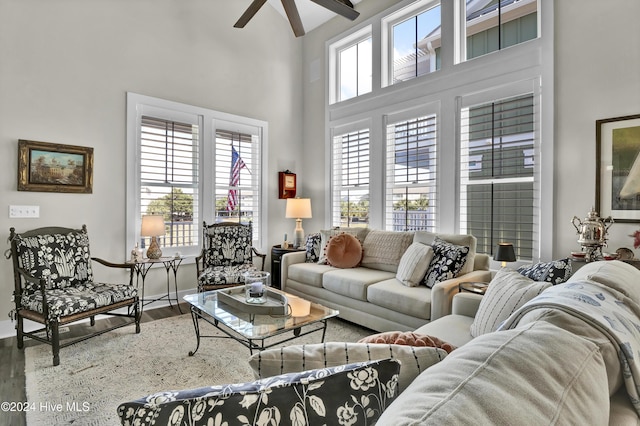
(276, 304)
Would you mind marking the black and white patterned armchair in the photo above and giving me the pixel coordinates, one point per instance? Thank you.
(54, 285)
(227, 253)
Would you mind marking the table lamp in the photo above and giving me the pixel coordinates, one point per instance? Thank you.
(298, 208)
(505, 253)
(153, 226)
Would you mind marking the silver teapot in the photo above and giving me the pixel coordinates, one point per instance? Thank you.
(592, 233)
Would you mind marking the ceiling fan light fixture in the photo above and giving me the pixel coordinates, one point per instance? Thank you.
(341, 7)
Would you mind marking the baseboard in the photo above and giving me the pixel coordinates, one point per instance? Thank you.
(8, 327)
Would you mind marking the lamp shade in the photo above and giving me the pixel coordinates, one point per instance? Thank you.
(298, 208)
(505, 253)
(152, 226)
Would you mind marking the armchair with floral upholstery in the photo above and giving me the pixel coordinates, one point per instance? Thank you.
(54, 286)
(227, 253)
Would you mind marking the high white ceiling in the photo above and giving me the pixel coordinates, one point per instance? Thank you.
(311, 14)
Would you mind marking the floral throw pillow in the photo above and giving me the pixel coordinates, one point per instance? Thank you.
(312, 246)
(353, 394)
(448, 260)
(554, 272)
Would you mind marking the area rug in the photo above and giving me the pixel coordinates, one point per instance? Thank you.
(96, 375)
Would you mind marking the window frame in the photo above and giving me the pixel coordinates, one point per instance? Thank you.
(531, 62)
(335, 48)
(428, 112)
(208, 120)
(387, 23)
(336, 209)
(527, 88)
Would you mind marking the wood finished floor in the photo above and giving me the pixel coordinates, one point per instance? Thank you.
(12, 383)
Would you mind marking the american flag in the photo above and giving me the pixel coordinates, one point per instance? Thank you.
(236, 165)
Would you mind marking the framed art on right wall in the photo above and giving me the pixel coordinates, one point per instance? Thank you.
(618, 168)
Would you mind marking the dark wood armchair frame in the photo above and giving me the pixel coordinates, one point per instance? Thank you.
(51, 328)
(202, 262)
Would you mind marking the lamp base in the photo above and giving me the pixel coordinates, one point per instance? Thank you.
(298, 234)
(154, 252)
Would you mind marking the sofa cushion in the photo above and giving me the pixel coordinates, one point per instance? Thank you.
(555, 272)
(355, 394)
(408, 338)
(414, 264)
(538, 375)
(312, 247)
(308, 273)
(383, 249)
(63, 258)
(353, 282)
(344, 251)
(455, 329)
(507, 292)
(326, 234)
(79, 298)
(293, 358)
(448, 260)
(466, 240)
(611, 273)
(220, 275)
(392, 294)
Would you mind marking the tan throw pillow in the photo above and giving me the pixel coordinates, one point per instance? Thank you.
(326, 234)
(506, 292)
(344, 251)
(414, 264)
(414, 360)
(383, 249)
(407, 338)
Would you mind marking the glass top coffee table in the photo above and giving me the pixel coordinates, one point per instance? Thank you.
(255, 331)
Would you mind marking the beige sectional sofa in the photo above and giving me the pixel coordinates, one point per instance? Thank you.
(370, 294)
(555, 361)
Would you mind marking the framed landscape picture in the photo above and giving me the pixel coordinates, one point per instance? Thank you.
(49, 167)
(618, 168)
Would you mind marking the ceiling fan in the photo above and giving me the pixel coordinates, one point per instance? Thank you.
(341, 7)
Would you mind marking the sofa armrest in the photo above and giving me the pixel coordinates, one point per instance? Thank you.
(466, 304)
(287, 260)
(442, 293)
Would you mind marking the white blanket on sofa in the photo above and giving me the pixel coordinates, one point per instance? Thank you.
(606, 309)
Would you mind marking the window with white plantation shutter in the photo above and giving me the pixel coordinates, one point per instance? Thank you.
(411, 175)
(350, 175)
(237, 174)
(180, 162)
(169, 178)
(497, 177)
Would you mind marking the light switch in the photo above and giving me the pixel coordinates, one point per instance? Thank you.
(31, 212)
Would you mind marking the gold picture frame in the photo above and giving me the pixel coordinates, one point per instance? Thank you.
(50, 167)
(618, 168)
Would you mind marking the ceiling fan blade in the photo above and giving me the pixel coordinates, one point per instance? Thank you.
(341, 7)
(248, 14)
(294, 17)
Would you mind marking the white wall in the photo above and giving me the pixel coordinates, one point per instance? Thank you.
(597, 58)
(65, 68)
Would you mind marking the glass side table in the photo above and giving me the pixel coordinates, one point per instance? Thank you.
(473, 287)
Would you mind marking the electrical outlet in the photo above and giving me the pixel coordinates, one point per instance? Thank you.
(24, 212)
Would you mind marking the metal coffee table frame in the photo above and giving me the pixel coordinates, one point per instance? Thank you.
(253, 330)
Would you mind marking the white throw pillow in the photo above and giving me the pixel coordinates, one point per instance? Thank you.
(507, 292)
(414, 264)
(414, 359)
